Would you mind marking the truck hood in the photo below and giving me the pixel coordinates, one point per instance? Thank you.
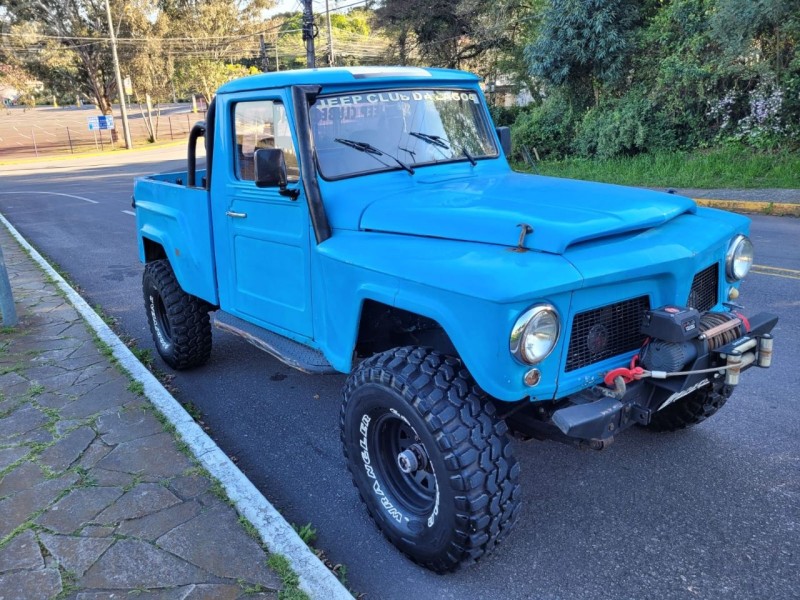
(562, 212)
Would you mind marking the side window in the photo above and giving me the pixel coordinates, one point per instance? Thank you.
(261, 124)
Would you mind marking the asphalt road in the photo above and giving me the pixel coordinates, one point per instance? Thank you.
(713, 512)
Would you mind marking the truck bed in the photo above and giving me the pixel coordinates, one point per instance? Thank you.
(177, 178)
(177, 219)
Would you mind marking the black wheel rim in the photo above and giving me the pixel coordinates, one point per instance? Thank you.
(414, 491)
(162, 322)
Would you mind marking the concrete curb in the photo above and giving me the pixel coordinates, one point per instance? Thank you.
(279, 537)
(780, 209)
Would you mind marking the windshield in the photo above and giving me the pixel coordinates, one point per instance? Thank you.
(377, 131)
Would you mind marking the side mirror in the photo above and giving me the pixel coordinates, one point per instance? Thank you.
(270, 171)
(504, 133)
(270, 166)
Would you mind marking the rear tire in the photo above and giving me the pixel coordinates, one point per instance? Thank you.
(459, 497)
(179, 322)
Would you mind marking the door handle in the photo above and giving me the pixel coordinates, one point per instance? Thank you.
(236, 215)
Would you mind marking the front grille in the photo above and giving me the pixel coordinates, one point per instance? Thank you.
(605, 332)
(704, 289)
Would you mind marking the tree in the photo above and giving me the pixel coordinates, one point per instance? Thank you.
(760, 40)
(144, 53)
(16, 78)
(758, 31)
(449, 33)
(210, 38)
(354, 40)
(205, 76)
(73, 24)
(583, 45)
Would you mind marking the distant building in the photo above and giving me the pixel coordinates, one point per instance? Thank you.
(8, 95)
(503, 92)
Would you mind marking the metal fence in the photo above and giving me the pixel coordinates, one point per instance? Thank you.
(28, 137)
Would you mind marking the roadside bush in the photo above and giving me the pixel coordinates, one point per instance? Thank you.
(791, 108)
(549, 127)
(505, 116)
(614, 129)
(760, 117)
(636, 123)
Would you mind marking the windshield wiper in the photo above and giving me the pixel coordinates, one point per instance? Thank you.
(373, 151)
(440, 142)
(436, 140)
(470, 158)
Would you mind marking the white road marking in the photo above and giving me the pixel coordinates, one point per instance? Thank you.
(20, 133)
(129, 212)
(46, 131)
(56, 194)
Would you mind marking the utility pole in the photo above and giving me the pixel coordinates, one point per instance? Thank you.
(308, 33)
(330, 35)
(264, 61)
(120, 90)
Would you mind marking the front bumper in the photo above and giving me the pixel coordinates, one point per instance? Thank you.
(599, 413)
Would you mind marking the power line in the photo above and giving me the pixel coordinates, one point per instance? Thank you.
(335, 8)
(352, 44)
(98, 39)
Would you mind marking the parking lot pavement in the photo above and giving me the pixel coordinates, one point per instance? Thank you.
(46, 132)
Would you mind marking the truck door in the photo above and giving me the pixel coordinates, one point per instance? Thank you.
(263, 244)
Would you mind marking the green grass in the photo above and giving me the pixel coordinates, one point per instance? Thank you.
(136, 387)
(307, 533)
(291, 583)
(729, 167)
(250, 529)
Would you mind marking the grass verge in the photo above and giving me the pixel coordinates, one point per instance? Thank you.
(729, 167)
(291, 583)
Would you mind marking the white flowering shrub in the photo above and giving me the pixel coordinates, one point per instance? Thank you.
(754, 118)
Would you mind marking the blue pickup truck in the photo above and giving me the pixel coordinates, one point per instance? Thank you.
(366, 221)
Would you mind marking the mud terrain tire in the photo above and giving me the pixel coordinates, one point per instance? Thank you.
(463, 497)
(179, 322)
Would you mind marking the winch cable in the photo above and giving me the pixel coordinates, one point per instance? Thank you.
(713, 320)
(637, 373)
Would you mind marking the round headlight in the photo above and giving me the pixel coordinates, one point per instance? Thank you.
(535, 334)
(739, 258)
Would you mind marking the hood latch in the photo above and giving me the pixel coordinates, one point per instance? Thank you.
(526, 229)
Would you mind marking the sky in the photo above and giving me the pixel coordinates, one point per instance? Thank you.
(296, 5)
(286, 6)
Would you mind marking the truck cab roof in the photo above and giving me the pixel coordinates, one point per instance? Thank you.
(344, 75)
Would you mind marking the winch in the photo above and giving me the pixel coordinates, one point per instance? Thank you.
(684, 346)
(685, 351)
(676, 336)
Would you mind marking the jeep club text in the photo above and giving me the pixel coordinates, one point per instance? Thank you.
(366, 220)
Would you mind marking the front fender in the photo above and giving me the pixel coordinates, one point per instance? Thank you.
(474, 291)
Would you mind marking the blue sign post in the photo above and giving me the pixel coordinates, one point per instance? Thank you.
(7, 308)
(101, 122)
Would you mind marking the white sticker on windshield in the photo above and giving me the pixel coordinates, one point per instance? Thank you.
(416, 95)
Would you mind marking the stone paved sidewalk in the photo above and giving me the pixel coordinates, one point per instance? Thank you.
(97, 501)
